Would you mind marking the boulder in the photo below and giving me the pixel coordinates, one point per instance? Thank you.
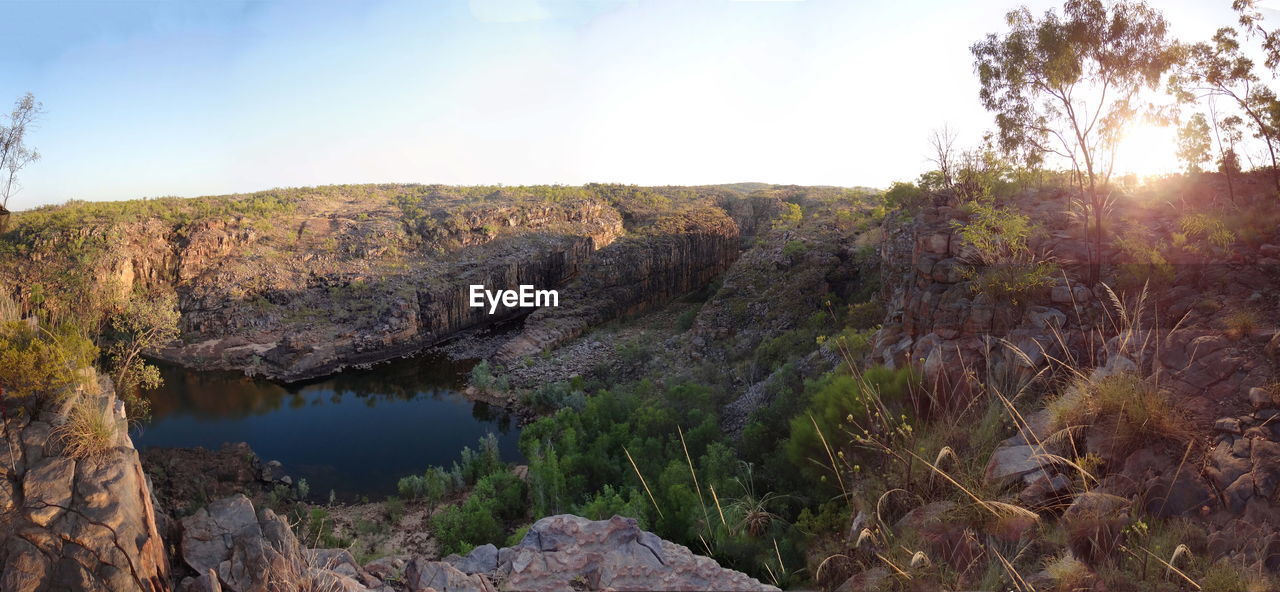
(566, 552)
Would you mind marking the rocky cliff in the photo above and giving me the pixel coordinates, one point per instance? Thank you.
(675, 255)
(293, 284)
(73, 523)
(231, 547)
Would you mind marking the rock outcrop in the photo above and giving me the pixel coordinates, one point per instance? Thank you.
(570, 552)
(675, 255)
(76, 523)
(229, 546)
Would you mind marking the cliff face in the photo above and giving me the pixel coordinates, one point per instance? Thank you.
(296, 284)
(76, 524)
(677, 255)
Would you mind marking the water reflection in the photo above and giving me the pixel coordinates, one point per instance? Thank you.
(356, 433)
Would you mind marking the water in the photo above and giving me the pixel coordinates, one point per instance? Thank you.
(355, 433)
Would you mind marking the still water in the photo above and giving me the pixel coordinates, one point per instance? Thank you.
(355, 433)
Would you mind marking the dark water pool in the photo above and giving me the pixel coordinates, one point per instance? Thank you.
(355, 433)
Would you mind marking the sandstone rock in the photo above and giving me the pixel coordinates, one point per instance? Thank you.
(438, 576)
(482, 559)
(1008, 464)
(1228, 425)
(1261, 398)
(46, 489)
(565, 551)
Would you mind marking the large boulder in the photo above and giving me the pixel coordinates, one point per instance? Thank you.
(570, 552)
(234, 548)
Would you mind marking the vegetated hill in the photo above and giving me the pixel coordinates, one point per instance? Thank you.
(295, 283)
(979, 418)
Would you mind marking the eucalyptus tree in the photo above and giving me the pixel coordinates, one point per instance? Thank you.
(14, 153)
(1219, 68)
(1194, 142)
(1066, 85)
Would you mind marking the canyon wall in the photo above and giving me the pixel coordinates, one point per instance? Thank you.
(678, 255)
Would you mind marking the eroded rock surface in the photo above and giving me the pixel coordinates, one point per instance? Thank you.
(76, 524)
(570, 552)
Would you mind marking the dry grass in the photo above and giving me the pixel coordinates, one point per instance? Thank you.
(1241, 323)
(90, 431)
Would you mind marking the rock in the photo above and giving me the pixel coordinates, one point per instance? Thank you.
(1010, 463)
(1228, 425)
(209, 535)
(438, 576)
(614, 553)
(482, 559)
(872, 579)
(47, 489)
(249, 551)
(1261, 398)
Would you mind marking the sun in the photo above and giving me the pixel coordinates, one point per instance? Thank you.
(1146, 149)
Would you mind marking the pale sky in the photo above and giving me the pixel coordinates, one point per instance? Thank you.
(190, 98)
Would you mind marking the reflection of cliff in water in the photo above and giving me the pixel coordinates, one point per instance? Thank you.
(357, 432)
(233, 395)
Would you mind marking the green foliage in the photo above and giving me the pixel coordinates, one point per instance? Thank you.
(479, 520)
(789, 217)
(839, 404)
(1012, 281)
(550, 396)
(1194, 142)
(905, 197)
(686, 319)
(432, 486)
(483, 378)
(143, 322)
(794, 249)
(39, 362)
(998, 234)
(547, 486)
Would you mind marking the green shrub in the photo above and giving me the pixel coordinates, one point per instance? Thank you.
(478, 520)
(905, 197)
(840, 404)
(794, 249)
(686, 319)
(38, 362)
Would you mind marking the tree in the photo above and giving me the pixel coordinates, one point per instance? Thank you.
(1066, 85)
(1194, 142)
(942, 142)
(14, 153)
(140, 324)
(1226, 133)
(1220, 69)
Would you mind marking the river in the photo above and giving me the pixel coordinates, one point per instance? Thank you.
(355, 433)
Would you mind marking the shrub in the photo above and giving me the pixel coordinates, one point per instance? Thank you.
(483, 377)
(1012, 281)
(685, 321)
(478, 520)
(790, 216)
(906, 197)
(840, 401)
(794, 249)
(998, 234)
(37, 362)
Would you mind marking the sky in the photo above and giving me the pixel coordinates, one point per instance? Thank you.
(147, 99)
